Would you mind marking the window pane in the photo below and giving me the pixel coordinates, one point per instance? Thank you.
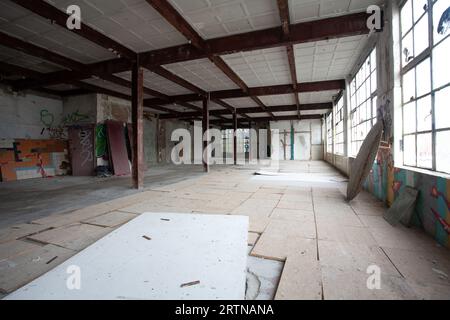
(441, 20)
(373, 82)
(424, 115)
(442, 108)
(407, 49)
(420, 7)
(373, 60)
(409, 86)
(423, 78)
(441, 64)
(409, 118)
(406, 17)
(443, 151)
(409, 150)
(421, 36)
(424, 151)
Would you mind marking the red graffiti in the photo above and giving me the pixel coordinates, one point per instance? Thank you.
(444, 223)
(396, 185)
(435, 193)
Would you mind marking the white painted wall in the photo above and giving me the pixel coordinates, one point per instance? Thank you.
(20, 115)
(308, 139)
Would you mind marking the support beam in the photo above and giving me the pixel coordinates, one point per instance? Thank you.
(205, 129)
(283, 7)
(137, 110)
(178, 22)
(260, 91)
(323, 29)
(245, 111)
(267, 119)
(235, 125)
(59, 17)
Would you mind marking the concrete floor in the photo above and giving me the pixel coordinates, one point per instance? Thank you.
(28, 200)
(300, 225)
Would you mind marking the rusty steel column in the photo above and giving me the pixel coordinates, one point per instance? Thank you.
(235, 137)
(137, 110)
(205, 127)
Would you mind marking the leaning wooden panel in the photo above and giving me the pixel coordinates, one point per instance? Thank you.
(363, 162)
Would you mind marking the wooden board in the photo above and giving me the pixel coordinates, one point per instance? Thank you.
(82, 152)
(118, 148)
(364, 161)
(301, 278)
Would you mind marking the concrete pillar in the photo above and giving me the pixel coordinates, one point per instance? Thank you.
(205, 128)
(235, 137)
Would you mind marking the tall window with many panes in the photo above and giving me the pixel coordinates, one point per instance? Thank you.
(339, 127)
(363, 102)
(330, 133)
(425, 50)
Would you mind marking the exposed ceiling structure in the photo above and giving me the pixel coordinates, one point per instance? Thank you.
(263, 59)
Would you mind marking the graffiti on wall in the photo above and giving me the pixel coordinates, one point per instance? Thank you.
(101, 143)
(60, 131)
(433, 204)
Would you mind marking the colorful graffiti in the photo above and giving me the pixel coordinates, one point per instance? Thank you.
(432, 214)
(101, 142)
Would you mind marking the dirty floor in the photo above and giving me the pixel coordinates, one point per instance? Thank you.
(305, 241)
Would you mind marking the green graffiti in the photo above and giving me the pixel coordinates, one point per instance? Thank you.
(47, 118)
(101, 142)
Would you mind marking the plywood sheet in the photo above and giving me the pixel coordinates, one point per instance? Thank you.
(118, 148)
(301, 278)
(82, 153)
(283, 238)
(22, 269)
(14, 248)
(75, 237)
(212, 251)
(344, 273)
(19, 231)
(111, 219)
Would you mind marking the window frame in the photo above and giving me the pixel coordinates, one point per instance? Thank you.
(372, 98)
(338, 108)
(412, 66)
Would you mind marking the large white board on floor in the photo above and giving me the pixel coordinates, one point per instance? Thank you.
(155, 256)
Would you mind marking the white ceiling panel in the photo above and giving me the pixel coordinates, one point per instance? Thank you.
(285, 113)
(158, 83)
(108, 85)
(27, 26)
(216, 18)
(212, 105)
(307, 10)
(278, 100)
(259, 115)
(62, 87)
(134, 23)
(261, 67)
(23, 60)
(242, 102)
(202, 73)
(327, 60)
(317, 97)
(312, 112)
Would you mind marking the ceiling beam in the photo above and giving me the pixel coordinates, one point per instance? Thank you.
(86, 88)
(267, 119)
(178, 22)
(168, 12)
(304, 107)
(283, 8)
(82, 71)
(323, 29)
(262, 91)
(60, 18)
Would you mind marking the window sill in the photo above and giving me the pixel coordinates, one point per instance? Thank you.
(424, 171)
